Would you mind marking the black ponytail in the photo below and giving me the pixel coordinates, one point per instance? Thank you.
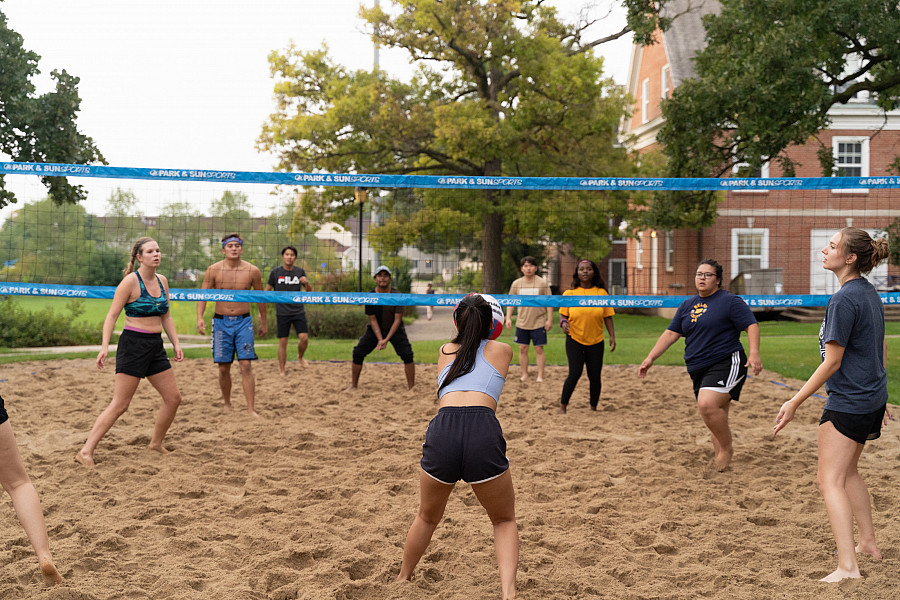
(473, 320)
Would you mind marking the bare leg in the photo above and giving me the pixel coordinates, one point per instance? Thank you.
(523, 361)
(541, 362)
(837, 457)
(165, 384)
(713, 408)
(248, 382)
(123, 392)
(410, 370)
(498, 499)
(225, 385)
(26, 502)
(433, 497)
(301, 350)
(282, 354)
(355, 371)
(861, 503)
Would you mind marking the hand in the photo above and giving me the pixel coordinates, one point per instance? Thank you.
(548, 325)
(612, 344)
(382, 344)
(508, 323)
(645, 366)
(263, 328)
(101, 358)
(753, 362)
(201, 326)
(887, 416)
(565, 327)
(784, 416)
(179, 354)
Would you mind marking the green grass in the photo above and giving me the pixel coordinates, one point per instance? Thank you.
(788, 348)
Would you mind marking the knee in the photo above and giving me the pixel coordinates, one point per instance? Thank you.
(706, 406)
(430, 519)
(119, 407)
(828, 481)
(304, 337)
(539, 350)
(174, 400)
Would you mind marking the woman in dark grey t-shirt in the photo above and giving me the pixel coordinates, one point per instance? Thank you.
(852, 344)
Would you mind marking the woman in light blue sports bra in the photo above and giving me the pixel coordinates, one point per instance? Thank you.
(144, 295)
(465, 441)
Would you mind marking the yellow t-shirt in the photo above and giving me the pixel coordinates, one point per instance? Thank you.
(586, 322)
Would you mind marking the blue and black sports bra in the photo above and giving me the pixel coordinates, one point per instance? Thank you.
(146, 305)
(482, 378)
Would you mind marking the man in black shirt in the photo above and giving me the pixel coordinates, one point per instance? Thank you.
(385, 325)
(288, 278)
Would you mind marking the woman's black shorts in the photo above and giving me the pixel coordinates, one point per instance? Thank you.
(859, 428)
(464, 442)
(141, 354)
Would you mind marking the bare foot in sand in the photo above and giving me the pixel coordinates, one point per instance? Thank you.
(226, 408)
(49, 572)
(160, 448)
(303, 363)
(840, 575)
(283, 372)
(254, 414)
(524, 377)
(722, 461)
(869, 548)
(539, 379)
(562, 409)
(84, 459)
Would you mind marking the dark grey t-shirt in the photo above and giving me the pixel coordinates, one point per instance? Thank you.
(854, 319)
(283, 280)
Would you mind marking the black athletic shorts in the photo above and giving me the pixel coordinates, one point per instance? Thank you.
(726, 377)
(283, 324)
(3, 416)
(141, 354)
(368, 341)
(464, 442)
(859, 428)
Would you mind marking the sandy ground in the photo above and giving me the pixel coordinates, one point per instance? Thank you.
(314, 500)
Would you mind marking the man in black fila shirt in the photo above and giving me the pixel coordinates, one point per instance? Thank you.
(288, 278)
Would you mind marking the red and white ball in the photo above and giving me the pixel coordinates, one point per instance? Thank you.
(497, 314)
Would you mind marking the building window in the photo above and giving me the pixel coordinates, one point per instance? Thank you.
(639, 251)
(744, 170)
(749, 250)
(851, 159)
(645, 101)
(664, 81)
(670, 251)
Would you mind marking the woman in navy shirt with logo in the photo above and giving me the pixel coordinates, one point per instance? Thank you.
(852, 345)
(711, 323)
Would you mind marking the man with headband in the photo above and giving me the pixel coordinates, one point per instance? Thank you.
(232, 325)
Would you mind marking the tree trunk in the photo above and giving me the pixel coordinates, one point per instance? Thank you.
(492, 246)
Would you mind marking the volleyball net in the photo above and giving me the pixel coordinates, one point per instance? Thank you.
(646, 235)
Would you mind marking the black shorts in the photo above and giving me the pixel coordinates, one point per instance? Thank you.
(284, 322)
(3, 416)
(859, 428)
(725, 377)
(368, 341)
(464, 442)
(141, 354)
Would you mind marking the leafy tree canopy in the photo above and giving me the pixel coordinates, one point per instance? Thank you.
(770, 72)
(39, 128)
(503, 88)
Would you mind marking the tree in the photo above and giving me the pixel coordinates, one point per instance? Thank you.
(39, 128)
(503, 87)
(769, 74)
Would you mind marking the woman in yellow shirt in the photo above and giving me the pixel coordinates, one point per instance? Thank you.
(583, 326)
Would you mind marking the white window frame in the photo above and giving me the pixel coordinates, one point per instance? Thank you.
(864, 165)
(763, 257)
(669, 250)
(645, 101)
(639, 251)
(664, 82)
(763, 173)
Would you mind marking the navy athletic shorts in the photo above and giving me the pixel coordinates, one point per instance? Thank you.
(464, 442)
(726, 377)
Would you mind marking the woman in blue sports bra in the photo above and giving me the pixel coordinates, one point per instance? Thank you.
(464, 441)
(144, 295)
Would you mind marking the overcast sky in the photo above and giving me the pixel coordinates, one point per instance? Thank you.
(185, 83)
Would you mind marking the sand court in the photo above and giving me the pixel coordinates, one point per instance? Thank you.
(314, 500)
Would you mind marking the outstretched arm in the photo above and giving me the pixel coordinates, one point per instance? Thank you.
(834, 354)
(665, 340)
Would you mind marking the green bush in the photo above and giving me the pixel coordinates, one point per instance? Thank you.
(22, 328)
(336, 322)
